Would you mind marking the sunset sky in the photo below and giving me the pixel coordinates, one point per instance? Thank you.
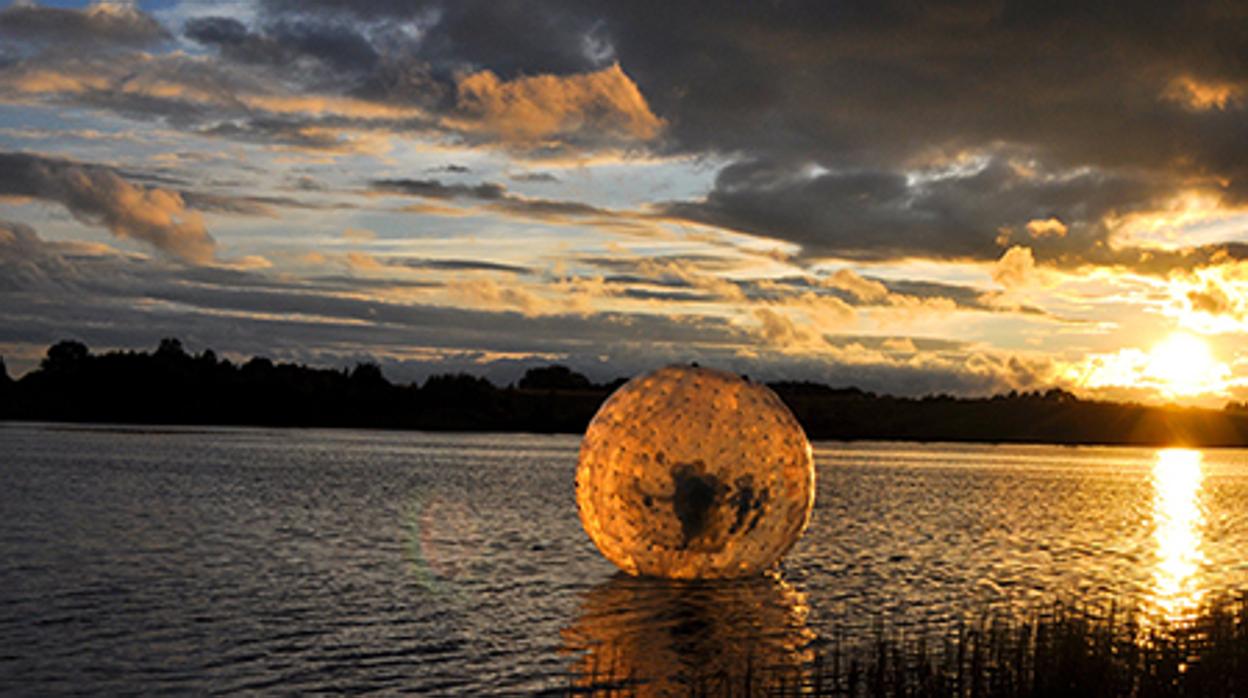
(969, 198)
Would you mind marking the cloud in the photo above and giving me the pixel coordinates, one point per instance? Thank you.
(435, 189)
(1016, 268)
(865, 89)
(335, 46)
(1131, 372)
(50, 290)
(361, 261)
(1046, 227)
(151, 215)
(510, 39)
(850, 127)
(459, 265)
(210, 97)
(495, 197)
(828, 301)
(873, 215)
(538, 177)
(367, 262)
(1210, 299)
(488, 294)
(101, 23)
(532, 109)
(318, 82)
(865, 290)
(779, 330)
(358, 234)
(1202, 96)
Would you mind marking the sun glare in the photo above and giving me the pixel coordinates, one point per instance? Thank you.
(1180, 366)
(1183, 365)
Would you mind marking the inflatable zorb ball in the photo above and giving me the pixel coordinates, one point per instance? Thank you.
(691, 473)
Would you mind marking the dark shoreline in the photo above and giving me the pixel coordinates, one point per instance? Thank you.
(171, 387)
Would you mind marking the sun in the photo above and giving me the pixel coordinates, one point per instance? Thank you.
(1183, 364)
(1180, 366)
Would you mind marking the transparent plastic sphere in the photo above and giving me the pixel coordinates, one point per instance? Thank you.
(691, 472)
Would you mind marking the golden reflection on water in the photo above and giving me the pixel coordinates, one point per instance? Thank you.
(665, 637)
(1178, 521)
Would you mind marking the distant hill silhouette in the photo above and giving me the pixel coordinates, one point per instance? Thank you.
(172, 386)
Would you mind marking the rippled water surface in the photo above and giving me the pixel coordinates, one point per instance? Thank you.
(194, 560)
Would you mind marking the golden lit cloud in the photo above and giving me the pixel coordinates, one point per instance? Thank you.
(1202, 95)
(779, 330)
(1046, 227)
(51, 81)
(1016, 268)
(1211, 299)
(723, 289)
(533, 108)
(359, 234)
(251, 261)
(865, 290)
(152, 215)
(562, 297)
(1192, 217)
(361, 261)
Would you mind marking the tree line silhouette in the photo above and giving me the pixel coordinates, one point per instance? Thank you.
(172, 386)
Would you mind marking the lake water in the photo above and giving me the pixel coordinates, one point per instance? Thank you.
(242, 560)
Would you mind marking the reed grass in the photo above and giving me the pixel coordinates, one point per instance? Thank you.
(1066, 649)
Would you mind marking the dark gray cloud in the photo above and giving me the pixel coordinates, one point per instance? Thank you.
(336, 46)
(1157, 262)
(1115, 104)
(860, 81)
(855, 87)
(872, 215)
(101, 24)
(250, 205)
(538, 177)
(458, 265)
(436, 189)
(645, 294)
(508, 37)
(451, 168)
(497, 199)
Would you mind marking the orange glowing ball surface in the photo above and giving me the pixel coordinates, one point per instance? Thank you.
(692, 473)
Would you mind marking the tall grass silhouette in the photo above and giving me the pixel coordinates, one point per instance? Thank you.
(1067, 649)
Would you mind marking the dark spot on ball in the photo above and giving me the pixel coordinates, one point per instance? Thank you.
(746, 502)
(759, 508)
(695, 496)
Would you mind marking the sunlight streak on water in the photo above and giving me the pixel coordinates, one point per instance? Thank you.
(1178, 521)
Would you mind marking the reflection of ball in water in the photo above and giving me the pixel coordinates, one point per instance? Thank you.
(661, 637)
(689, 472)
